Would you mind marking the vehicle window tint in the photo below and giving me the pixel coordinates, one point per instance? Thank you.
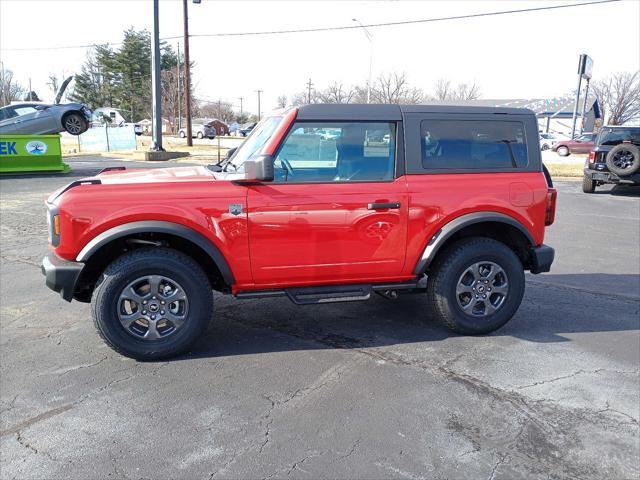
(613, 136)
(24, 110)
(473, 144)
(5, 113)
(340, 151)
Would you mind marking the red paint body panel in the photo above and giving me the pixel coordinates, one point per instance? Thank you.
(324, 233)
(187, 196)
(438, 199)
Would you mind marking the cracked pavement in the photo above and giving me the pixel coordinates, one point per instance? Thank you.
(362, 390)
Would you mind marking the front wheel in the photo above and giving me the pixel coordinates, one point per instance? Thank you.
(75, 124)
(199, 135)
(476, 286)
(182, 134)
(152, 303)
(563, 151)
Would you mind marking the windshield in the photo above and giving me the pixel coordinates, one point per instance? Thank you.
(613, 136)
(254, 143)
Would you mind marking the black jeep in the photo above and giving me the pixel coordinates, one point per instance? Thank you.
(615, 158)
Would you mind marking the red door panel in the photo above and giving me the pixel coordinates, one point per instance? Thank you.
(325, 233)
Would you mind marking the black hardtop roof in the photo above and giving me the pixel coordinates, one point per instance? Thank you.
(352, 111)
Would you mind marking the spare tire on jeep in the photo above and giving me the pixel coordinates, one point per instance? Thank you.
(624, 159)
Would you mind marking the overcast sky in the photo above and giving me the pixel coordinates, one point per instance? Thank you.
(524, 55)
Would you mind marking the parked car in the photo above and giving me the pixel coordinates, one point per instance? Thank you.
(614, 159)
(247, 128)
(198, 131)
(284, 216)
(547, 140)
(44, 119)
(36, 118)
(582, 144)
(137, 129)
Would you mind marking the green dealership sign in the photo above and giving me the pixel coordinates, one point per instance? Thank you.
(31, 153)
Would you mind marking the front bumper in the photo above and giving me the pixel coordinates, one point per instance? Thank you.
(61, 275)
(542, 258)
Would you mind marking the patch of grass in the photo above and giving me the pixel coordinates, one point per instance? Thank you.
(565, 169)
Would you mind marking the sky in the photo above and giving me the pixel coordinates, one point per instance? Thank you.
(523, 55)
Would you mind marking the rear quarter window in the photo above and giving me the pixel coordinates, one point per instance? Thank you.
(473, 145)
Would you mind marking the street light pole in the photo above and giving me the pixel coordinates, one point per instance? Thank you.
(241, 115)
(370, 38)
(155, 84)
(187, 72)
(259, 92)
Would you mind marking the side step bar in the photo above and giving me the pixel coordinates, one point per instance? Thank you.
(331, 293)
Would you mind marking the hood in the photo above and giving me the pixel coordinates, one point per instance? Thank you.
(156, 175)
(62, 88)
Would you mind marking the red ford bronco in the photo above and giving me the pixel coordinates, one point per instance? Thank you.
(324, 203)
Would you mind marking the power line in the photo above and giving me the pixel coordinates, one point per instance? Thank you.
(330, 29)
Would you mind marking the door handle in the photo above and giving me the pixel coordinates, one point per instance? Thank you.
(382, 206)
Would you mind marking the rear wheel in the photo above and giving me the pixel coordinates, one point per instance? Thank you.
(588, 185)
(476, 286)
(199, 135)
(563, 151)
(152, 303)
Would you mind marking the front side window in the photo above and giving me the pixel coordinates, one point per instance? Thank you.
(24, 110)
(337, 152)
(473, 144)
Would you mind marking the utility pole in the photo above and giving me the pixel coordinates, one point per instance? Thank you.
(309, 85)
(259, 114)
(187, 72)
(179, 96)
(241, 115)
(219, 110)
(156, 144)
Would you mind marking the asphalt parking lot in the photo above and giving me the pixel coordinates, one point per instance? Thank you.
(360, 390)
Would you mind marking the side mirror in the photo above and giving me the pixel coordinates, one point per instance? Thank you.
(258, 169)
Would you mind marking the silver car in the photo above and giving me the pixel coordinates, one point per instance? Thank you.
(43, 119)
(198, 131)
(30, 118)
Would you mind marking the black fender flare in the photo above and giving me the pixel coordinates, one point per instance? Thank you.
(153, 226)
(442, 235)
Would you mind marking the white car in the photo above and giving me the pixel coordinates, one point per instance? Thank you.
(547, 140)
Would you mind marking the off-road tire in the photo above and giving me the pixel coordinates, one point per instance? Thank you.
(588, 185)
(634, 153)
(452, 263)
(563, 151)
(151, 261)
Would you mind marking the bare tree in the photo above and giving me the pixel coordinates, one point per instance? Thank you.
(394, 88)
(337, 93)
(10, 90)
(282, 101)
(444, 90)
(619, 97)
(220, 110)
